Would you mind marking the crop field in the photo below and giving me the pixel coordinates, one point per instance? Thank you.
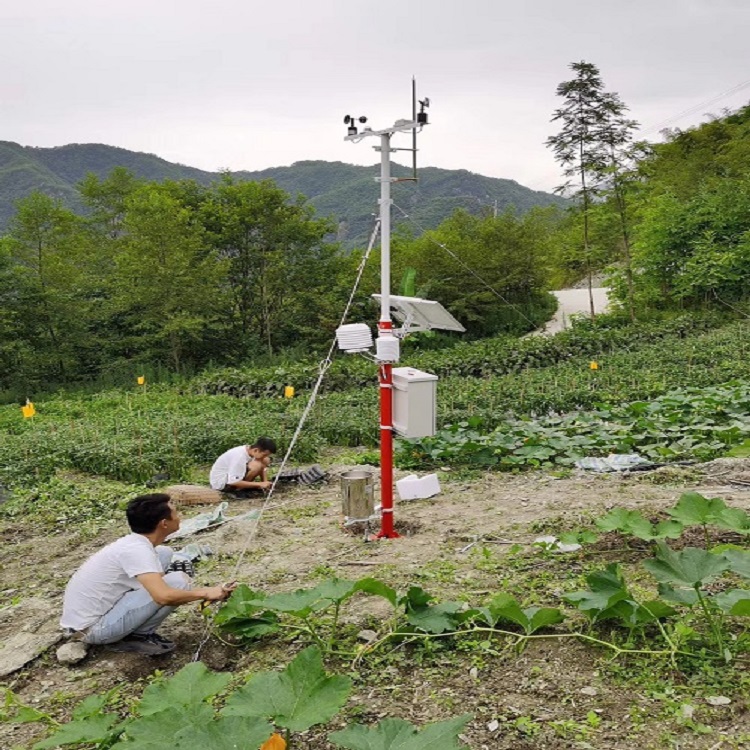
(529, 605)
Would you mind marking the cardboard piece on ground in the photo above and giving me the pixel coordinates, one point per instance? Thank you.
(194, 494)
(414, 487)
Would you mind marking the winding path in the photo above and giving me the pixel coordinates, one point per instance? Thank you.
(575, 301)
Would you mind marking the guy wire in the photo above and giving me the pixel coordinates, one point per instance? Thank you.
(322, 369)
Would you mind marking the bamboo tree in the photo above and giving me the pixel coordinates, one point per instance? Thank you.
(616, 135)
(578, 146)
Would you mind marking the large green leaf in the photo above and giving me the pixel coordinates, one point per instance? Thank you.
(505, 607)
(735, 602)
(303, 602)
(542, 617)
(735, 519)
(633, 614)
(633, 523)
(91, 729)
(687, 596)
(606, 588)
(188, 687)
(300, 603)
(739, 561)
(377, 588)
(692, 508)
(297, 698)
(224, 733)
(243, 602)
(157, 731)
(397, 734)
(668, 530)
(437, 618)
(618, 519)
(249, 628)
(691, 566)
(91, 706)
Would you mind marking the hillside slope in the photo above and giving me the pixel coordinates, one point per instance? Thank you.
(345, 192)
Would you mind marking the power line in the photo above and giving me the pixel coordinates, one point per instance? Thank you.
(697, 107)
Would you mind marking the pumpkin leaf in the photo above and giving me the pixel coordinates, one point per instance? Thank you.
(297, 698)
(397, 734)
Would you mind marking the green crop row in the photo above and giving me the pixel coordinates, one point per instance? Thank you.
(131, 437)
(476, 359)
(350, 418)
(699, 423)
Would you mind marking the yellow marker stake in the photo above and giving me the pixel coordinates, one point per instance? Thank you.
(28, 411)
(141, 380)
(289, 391)
(594, 365)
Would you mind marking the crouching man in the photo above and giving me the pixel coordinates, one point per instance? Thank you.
(244, 467)
(122, 594)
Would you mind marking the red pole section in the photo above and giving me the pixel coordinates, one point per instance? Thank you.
(385, 378)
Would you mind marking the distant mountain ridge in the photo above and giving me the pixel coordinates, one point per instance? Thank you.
(345, 192)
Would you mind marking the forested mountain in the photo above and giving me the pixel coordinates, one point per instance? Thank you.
(344, 192)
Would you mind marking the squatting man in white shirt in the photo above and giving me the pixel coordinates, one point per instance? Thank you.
(122, 594)
(244, 467)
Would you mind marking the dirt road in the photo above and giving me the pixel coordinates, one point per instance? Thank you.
(575, 301)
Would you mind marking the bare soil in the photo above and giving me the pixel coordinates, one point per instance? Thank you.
(541, 698)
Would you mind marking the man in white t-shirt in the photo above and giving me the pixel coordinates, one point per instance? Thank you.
(244, 467)
(122, 593)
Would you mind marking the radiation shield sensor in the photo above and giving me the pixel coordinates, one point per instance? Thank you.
(417, 314)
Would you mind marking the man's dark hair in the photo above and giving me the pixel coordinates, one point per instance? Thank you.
(265, 444)
(146, 511)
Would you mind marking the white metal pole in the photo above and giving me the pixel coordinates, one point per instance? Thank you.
(385, 228)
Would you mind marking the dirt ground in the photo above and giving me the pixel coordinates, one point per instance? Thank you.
(540, 698)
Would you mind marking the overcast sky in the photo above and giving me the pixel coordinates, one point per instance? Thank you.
(249, 84)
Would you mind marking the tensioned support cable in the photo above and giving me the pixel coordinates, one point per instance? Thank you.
(322, 369)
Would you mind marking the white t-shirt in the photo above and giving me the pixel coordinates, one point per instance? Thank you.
(229, 467)
(105, 578)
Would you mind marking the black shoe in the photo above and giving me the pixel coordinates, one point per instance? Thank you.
(151, 644)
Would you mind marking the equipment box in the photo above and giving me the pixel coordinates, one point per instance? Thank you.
(414, 399)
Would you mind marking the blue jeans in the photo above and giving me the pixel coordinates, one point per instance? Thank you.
(137, 612)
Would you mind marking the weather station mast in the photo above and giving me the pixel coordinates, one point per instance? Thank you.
(416, 314)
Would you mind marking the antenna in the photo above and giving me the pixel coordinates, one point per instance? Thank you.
(414, 132)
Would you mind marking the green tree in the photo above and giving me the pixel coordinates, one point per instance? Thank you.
(107, 199)
(617, 173)
(167, 282)
(691, 236)
(281, 268)
(51, 260)
(511, 258)
(578, 146)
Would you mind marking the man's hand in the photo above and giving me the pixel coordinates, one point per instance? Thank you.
(218, 593)
(264, 485)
